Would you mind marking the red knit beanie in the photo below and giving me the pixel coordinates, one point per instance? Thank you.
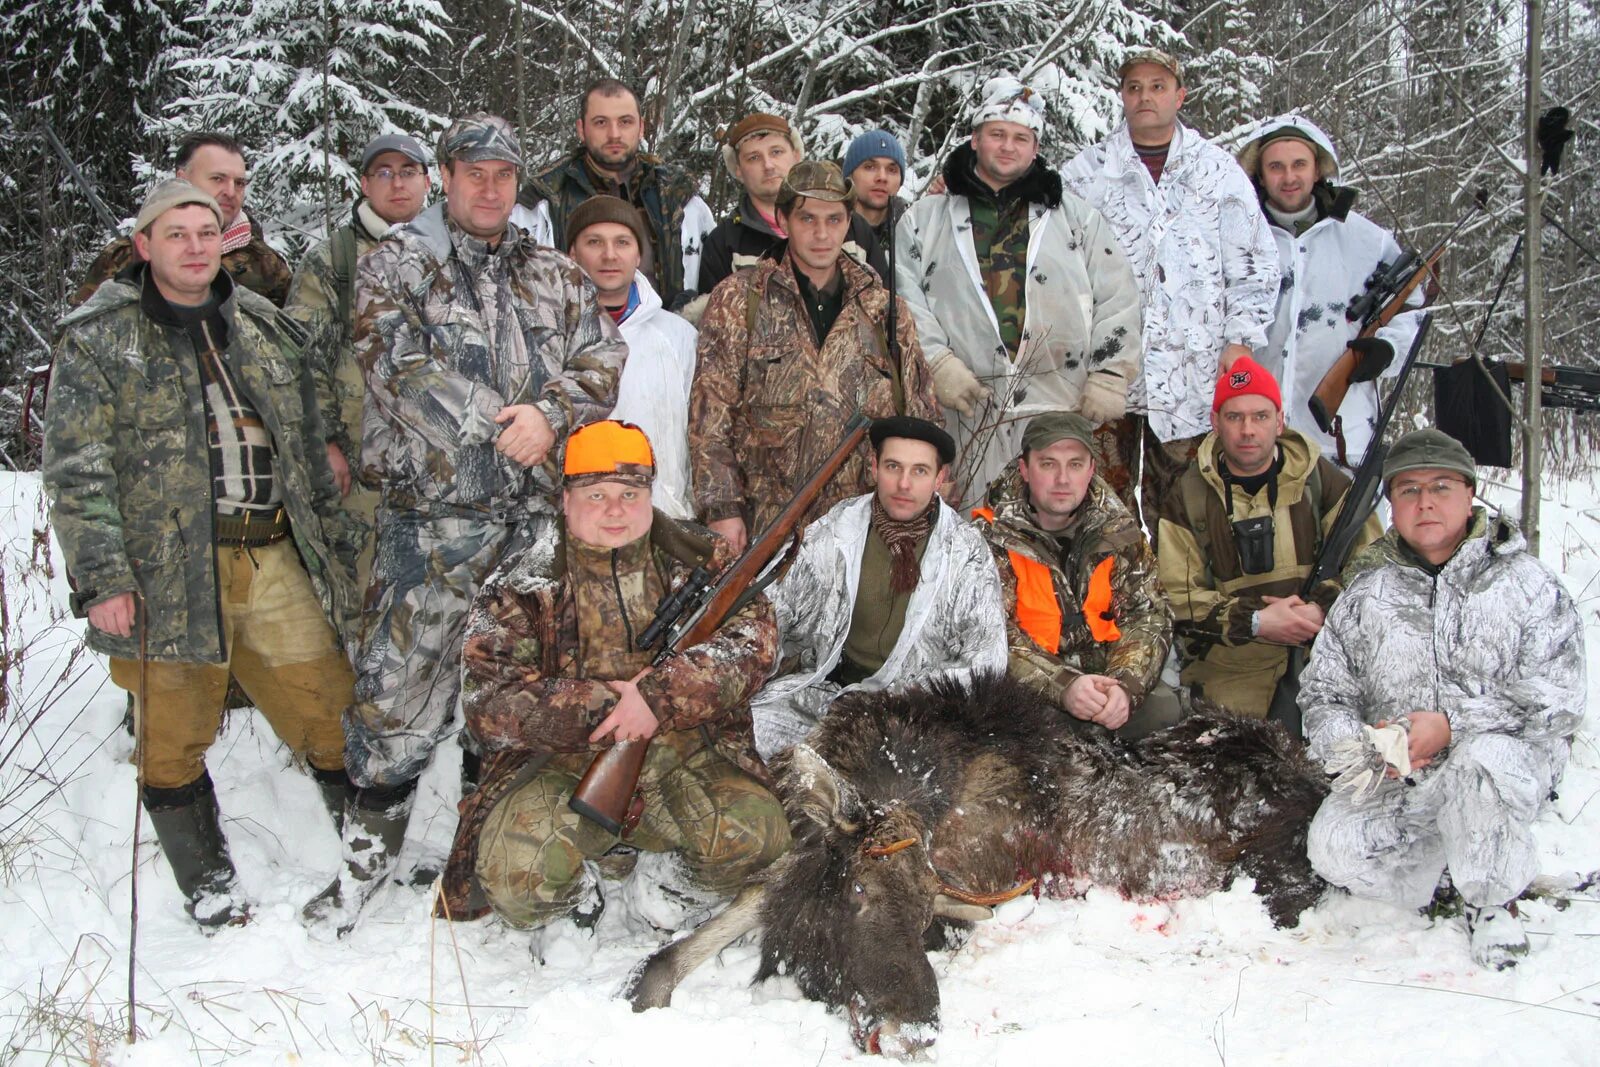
(1246, 378)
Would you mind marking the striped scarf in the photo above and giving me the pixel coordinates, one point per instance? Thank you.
(901, 538)
(236, 236)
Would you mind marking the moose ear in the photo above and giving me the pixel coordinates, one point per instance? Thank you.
(819, 793)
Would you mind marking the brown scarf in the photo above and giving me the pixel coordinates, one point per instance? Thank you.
(901, 540)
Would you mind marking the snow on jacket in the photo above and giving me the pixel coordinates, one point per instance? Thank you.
(1323, 270)
(1205, 261)
(954, 624)
(1492, 640)
(1081, 310)
(654, 392)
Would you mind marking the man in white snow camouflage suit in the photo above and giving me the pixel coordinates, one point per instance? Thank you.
(1444, 691)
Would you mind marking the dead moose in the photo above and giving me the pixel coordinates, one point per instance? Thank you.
(914, 812)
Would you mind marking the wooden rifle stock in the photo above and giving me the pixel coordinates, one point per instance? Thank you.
(607, 788)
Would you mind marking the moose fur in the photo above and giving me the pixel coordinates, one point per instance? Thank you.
(905, 804)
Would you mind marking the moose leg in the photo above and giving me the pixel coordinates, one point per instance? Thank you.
(651, 985)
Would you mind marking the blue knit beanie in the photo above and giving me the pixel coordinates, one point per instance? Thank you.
(871, 145)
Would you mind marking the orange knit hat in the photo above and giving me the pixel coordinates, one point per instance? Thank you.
(609, 451)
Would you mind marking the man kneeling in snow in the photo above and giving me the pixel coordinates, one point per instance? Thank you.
(552, 675)
(1444, 690)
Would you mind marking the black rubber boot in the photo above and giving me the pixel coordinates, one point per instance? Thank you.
(337, 792)
(374, 830)
(188, 825)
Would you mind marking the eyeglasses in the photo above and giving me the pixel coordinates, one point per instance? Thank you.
(389, 174)
(1442, 489)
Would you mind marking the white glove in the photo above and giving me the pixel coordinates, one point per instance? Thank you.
(1105, 397)
(956, 387)
(1358, 763)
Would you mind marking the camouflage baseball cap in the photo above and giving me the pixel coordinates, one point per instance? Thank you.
(479, 137)
(819, 180)
(1165, 60)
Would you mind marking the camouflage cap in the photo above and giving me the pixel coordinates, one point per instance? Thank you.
(174, 192)
(1045, 430)
(819, 180)
(1165, 60)
(479, 137)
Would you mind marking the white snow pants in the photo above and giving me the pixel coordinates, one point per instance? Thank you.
(1472, 814)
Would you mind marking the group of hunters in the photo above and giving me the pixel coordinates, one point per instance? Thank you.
(436, 483)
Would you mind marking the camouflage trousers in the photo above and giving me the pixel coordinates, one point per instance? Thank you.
(408, 660)
(723, 823)
(1472, 814)
(280, 649)
(1129, 445)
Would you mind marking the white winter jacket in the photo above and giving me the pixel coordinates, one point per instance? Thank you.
(955, 623)
(654, 393)
(1082, 315)
(1323, 270)
(1205, 261)
(1493, 642)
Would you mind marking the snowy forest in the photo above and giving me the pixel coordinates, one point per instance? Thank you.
(1424, 100)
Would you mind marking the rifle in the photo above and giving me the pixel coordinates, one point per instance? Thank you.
(691, 615)
(1564, 387)
(1384, 297)
(1365, 487)
(892, 341)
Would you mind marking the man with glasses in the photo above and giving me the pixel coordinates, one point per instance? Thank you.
(482, 351)
(1238, 536)
(1444, 692)
(1024, 303)
(394, 190)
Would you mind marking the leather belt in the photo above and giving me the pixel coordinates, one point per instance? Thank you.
(252, 529)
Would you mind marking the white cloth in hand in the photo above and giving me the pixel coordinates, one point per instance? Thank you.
(1105, 397)
(956, 386)
(1358, 763)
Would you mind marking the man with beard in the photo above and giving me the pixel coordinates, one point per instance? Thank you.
(789, 350)
(1023, 300)
(607, 160)
(875, 163)
(1327, 252)
(889, 589)
(1087, 623)
(213, 163)
(759, 151)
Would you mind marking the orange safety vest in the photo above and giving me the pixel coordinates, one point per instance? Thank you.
(1038, 610)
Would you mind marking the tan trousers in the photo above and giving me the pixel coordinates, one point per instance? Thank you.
(281, 650)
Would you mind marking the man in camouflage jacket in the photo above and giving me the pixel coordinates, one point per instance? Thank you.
(194, 506)
(1087, 621)
(482, 351)
(789, 349)
(394, 189)
(213, 163)
(607, 161)
(553, 677)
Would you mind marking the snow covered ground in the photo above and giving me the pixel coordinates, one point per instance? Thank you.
(1201, 982)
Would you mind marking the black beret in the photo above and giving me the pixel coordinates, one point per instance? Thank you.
(915, 430)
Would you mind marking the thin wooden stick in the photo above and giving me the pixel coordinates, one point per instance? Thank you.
(138, 812)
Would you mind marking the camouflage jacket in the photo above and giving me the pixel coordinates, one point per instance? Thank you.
(556, 622)
(670, 200)
(448, 332)
(314, 300)
(769, 404)
(255, 267)
(128, 468)
(1102, 528)
(1212, 599)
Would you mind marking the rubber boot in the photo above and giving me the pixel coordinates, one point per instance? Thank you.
(188, 825)
(337, 792)
(374, 830)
